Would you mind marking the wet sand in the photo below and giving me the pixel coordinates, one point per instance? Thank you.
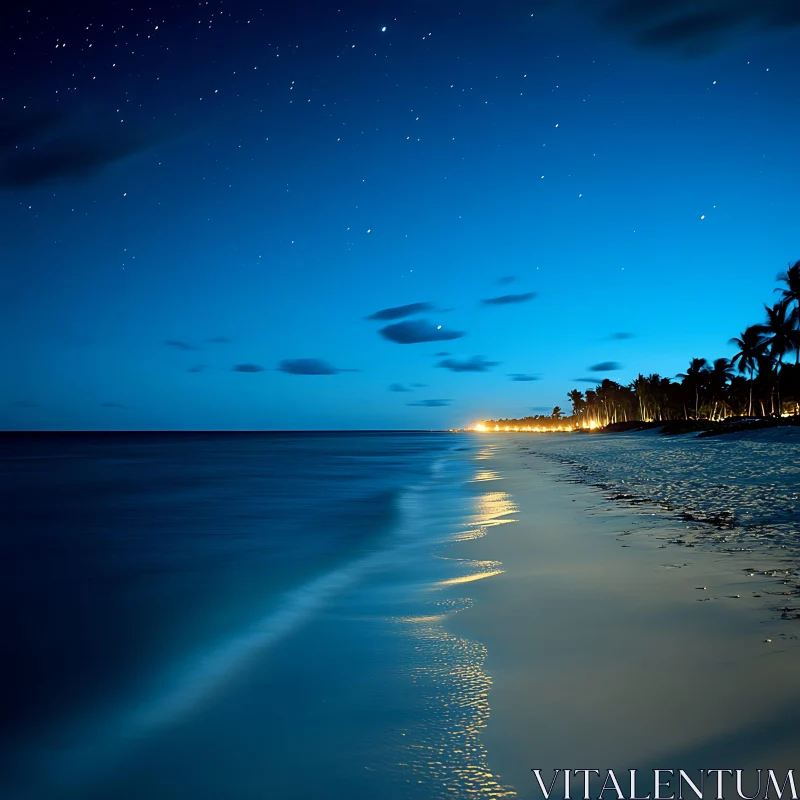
(602, 650)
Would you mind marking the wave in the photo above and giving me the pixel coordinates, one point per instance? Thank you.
(102, 740)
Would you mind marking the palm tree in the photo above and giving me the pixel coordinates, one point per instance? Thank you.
(718, 377)
(556, 413)
(693, 379)
(780, 336)
(751, 343)
(791, 294)
(576, 398)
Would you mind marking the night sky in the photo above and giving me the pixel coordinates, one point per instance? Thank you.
(383, 215)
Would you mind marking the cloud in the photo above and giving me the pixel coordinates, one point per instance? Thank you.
(508, 299)
(196, 368)
(71, 156)
(419, 385)
(25, 404)
(585, 380)
(430, 403)
(398, 312)
(621, 335)
(442, 354)
(474, 364)
(113, 405)
(180, 345)
(47, 146)
(24, 126)
(605, 366)
(416, 331)
(521, 376)
(398, 387)
(506, 279)
(541, 409)
(220, 340)
(247, 368)
(695, 27)
(309, 366)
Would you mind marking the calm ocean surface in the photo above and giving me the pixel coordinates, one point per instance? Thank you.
(241, 615)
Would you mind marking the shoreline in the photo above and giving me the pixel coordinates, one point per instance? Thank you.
(603, 651)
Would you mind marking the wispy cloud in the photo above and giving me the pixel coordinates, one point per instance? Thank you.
(585, 380)
(247, 368)
(398, 312)
(522, 376)
(605, 366)
(309, 366)
(508, 299)
(220, 340)
(417, 331)
(430, 403)
(38, 147)
(180, 345)
(474, 364)
(696, 27)
(113, 405)
(197, 368)
(621, 335)
(25, 404)
(506, 279)
(398, 387)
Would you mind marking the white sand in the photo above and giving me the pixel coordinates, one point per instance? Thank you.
(603, 655)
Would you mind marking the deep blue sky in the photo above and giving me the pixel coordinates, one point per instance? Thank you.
(274, 177)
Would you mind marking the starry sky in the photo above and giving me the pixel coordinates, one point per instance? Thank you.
(234, 215)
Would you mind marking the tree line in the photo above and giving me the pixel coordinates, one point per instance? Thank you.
(756, 380)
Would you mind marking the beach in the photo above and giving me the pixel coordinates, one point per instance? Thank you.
(394, 615)
(611, 645)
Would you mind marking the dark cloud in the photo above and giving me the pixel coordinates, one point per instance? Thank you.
(71, 156)
(417, 331)
(398, 387)
(25, 404)
(247, 368)
(507, 299)
(442, 354)
(398, 312)
(113, 405)
(696, 27)
(40, 146)
(521, 376)
(180, 345)
(621, 335)
(196, 368)
(605, 366)
(220, 340)
(26, 126)
(541, 409)
(506, 279)
(585, 380)
(430, 403)
(309, 366)
(419, 385)
(474, 364)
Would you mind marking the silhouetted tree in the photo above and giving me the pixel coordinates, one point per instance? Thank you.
(779, 335)
(694, 381)
(751, 343)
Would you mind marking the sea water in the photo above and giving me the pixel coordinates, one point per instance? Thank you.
(242, 615)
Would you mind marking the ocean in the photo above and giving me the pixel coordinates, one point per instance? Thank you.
(242, 615)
